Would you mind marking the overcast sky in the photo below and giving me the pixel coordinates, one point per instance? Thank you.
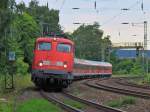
(108, 14)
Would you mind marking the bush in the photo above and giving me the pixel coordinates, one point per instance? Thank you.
(22, 67)
(128, 100)
(147, 79)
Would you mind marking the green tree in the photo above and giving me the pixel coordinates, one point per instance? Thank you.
(138, 67)
(45, 17)
(19, 27)
(88, 40)
(106, 45)
(6, 17)
(28, 31)
(20, 8)
(6, 14)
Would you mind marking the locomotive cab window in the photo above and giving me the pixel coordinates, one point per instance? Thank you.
(64, 48)
(44, 46)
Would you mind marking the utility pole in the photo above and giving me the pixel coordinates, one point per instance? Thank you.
(145, 53)
(145, 47)
(103, 51)
(109, 52)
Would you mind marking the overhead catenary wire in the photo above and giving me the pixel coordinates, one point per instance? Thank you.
(63, 3)
(117, 15)
(111, 19)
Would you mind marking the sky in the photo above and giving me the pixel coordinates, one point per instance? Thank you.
(109, 15)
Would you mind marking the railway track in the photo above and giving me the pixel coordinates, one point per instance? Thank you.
(127, 83)
(52, 97)
(54, 100)
(90, 103)
(126, 90)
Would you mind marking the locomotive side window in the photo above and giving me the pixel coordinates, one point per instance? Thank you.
(64, 47)
(44, 46)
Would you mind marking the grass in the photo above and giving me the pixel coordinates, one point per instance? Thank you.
(125, 75)
(143, 81)
(147, 79)
(6, 107)
(32, 105)
(20, 83)
(74, 103)
(37, 105)
(128, 100)
(1, 83)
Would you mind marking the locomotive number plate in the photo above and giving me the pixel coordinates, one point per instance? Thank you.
(46, 62)
(58, 63)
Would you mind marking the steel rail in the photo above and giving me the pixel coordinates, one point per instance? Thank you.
(126, 83)
(92, 104)
(61, 104)
(119, 90)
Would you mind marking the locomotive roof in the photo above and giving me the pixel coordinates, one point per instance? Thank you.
(94, 63)
(49, 39)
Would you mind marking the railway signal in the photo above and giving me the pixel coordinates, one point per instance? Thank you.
(11, 56)
(9, 77)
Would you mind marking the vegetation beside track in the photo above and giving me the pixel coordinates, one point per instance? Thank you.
(125, 75)
(124, 101)
(145, 81)
(8, 97)
(37, 105)
(75, 104)
(6, 106)
(21, 82)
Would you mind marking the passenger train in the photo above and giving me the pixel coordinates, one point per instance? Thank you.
(54, 63)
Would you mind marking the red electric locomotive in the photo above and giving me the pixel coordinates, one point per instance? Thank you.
(53, 62)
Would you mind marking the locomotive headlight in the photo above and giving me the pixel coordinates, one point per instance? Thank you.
(40, 64)
(65, 66)
(55, 38)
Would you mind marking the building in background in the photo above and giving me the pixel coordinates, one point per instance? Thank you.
(126, 53)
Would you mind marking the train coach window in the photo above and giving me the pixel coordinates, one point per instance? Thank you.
(64, 47)
(44, 46)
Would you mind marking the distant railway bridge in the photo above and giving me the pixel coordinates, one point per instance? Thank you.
(123, 45)
(129, 45)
